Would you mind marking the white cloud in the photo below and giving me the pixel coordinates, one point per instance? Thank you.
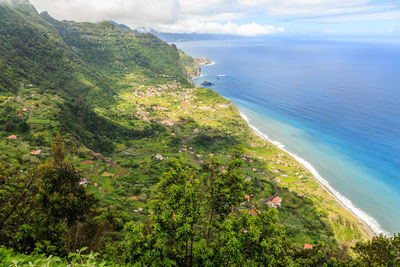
(201, 16)
(250, 29)
(135, 12)
(218, 16)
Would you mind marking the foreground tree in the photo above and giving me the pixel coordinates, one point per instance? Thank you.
(202, 224)
(380, 251)
(176, 212)
(40, 209)
(17, 208)
(60, 196)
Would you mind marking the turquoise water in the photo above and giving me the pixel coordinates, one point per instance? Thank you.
(333, 104)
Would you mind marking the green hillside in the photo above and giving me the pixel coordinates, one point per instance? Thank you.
(105, 144)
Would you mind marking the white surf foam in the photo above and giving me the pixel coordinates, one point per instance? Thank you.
(362, 215)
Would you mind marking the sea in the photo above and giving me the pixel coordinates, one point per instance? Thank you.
(333, 103)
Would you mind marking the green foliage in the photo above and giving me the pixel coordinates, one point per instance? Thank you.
(9, 121)
(380, 251)
(113, 51)
(201, 223)
(32, 52)
(9, 258)
(59, 193)
(44, 208)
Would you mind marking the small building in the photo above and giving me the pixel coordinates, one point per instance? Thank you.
(36, 152)
(275, 203)
(158, 156)
(247, 197)
(95, 184)
(277, 180)
(307, 246)
(24, 109)
(12, 137)
(19, 115)
(83, 182)
(253, 212)
(248, 179)
(168, 123)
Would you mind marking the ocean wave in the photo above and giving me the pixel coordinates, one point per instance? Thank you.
(362, 215)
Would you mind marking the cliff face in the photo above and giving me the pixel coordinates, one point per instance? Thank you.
(192, 65)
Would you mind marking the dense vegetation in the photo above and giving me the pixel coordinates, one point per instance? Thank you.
(108, 155)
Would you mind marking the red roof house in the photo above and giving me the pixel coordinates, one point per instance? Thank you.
(12, 137)
(36, 152)
(275, 203)
(307, 246)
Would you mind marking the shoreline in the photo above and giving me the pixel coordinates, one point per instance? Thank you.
(369, 222)
(366, 220)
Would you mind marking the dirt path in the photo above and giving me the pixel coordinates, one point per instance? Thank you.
(141, 112)
(129, 150)
(184, 142)
(26, 106)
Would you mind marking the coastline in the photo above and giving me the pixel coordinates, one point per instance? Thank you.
(367, 221)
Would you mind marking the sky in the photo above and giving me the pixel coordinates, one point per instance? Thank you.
(239, 17)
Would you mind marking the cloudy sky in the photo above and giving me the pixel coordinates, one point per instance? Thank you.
(242, 17)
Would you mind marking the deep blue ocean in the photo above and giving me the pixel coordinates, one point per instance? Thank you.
(335, 103)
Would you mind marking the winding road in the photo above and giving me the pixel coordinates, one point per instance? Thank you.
(271, 198)
(26, 106)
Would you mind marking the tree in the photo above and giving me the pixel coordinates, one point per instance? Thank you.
(380, 251)
(60, 196)
(17, 190)
(253, 238)
(224, 190)
(176, 206)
